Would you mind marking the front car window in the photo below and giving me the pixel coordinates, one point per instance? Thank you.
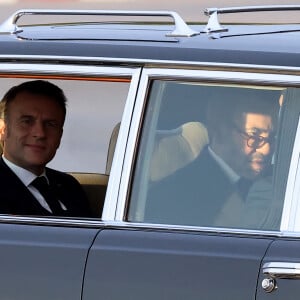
(214, 155)
(95, 106)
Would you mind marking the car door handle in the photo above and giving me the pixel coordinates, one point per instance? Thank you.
(284, 270)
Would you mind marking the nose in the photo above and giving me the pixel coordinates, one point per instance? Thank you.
(264, 149)
(38, 130)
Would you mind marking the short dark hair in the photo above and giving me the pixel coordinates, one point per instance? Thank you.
(228, 103)
(37, 87)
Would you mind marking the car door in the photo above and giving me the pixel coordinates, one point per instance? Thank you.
(160, 254)
(45, 257)
(154, 263)
(279, 275)
(44, 260)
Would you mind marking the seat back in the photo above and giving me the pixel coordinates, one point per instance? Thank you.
(94, 186)
(176, 148)
(111, 147)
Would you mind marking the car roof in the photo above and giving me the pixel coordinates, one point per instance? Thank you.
(276, 45)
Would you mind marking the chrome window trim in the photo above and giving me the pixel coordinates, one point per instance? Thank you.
(212, 75)
(50, 221)
(154, 62)
(291, 208)
(69, 69)
(117, 170)
(75, 70)
(196, 229)
(97, 224)
(131, 144)
(172, 74)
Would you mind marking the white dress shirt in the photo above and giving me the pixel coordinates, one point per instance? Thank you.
(27, 177)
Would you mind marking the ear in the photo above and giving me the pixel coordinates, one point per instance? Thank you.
(2, 130)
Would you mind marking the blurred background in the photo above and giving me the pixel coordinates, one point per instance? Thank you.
(190, 10)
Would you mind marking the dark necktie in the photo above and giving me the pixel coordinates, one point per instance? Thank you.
(41, 184)
(243, 186)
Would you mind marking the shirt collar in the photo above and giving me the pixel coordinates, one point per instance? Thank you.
(24, 175)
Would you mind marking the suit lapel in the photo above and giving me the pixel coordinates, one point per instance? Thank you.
(58, 190)
(15, 196)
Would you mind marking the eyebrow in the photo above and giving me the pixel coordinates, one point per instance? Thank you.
(26, 116)
(259, 130)
(254, 129)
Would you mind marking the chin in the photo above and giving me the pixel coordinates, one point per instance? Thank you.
(257, 174)
(37, 163)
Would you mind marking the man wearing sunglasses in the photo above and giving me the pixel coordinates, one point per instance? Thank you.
(241, 130)
(212, 190)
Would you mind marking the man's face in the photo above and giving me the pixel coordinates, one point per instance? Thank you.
(32, 131)
(248, 147)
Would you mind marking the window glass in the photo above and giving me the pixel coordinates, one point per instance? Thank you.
(94, 108)
(94, 111)
(213, 155)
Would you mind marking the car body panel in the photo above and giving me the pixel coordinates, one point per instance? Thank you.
(43, 262)
(172, 265)
(234, 47)
(283, 251)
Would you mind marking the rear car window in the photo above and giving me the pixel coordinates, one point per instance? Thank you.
(214, 155)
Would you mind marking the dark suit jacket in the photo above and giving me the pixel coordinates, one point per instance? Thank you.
(16, 199)
(194, 195)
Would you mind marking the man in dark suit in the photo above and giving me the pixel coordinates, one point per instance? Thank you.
(34, 115)
(210, 190)
(191, 196)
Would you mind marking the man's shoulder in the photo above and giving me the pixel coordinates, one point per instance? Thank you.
(4, 170)
(195, 171)
(59, 176)
(203, 164)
